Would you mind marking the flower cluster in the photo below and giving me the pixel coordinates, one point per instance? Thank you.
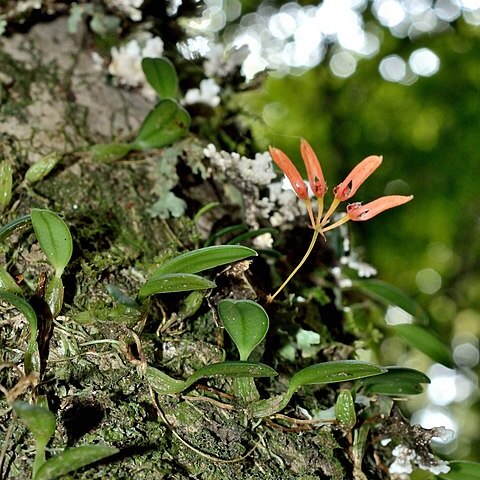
(342, 192)
(317, 187)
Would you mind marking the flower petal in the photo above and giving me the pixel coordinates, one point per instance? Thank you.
(356, 177)
(288, 168)
(358, 212)
(314, 170)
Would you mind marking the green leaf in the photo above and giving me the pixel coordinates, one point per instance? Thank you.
(73, 459)
(345, 409)
(320, 373)
(462, 471)
(122, 298)
(42, 167)
(425, 341)
(246, 322)
(391, 295)
(332, 372)
(6, 179)
(232, 369)
(165, 124)
(203, 259)
(31, 361)
(109, 152)
(15, 226)
(161, 75)
(163, 384)
(7, 282)
(396, 381)
(174, 282)
(39, 420)
(54, 237)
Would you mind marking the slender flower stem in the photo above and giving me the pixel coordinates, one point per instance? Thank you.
(343, 220)
(297, 268)
(332, 208)
(320, 210)
(308, 204)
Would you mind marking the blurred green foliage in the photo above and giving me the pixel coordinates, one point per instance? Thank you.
(428, 133)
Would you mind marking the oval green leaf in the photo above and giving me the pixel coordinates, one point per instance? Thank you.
(54, 237)
(120, 297)
(39, 420)
(231, 369)
(203, 259)
(8, 283)
(15, 226)
(6, 178)
(246, 322)
(174, 282)
(109, 152)
(42, 167)
(425, 341)
(32, 360)
(333, 372)
(72, 459)
(161, 75)
(391, 295)
(163, 383)
(345, 410)
(396, 381)
(462, 471)
(165, 124)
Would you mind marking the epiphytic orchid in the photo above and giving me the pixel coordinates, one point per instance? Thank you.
(344, 191)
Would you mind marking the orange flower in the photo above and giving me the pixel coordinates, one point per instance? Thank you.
(356, 177)
(288, 168)
(314, 170)
(344, 191)
(359, 213)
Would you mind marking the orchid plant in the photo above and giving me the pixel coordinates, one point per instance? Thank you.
(317, 187)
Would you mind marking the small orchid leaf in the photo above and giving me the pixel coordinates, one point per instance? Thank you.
(345, 410)
(174, 282)
(31, 361)
(42, 167)
(164, 125)
(460, 470)
(54, 237)
(162, 383)
(269, 406)
(204, 259)
(333, 372)
(391, 295)
(72, 459)
(246, 322)
(161, 75)
(7, 282)
(109, 152)
(396, 381)
(122, 298)
(15, 226)
(232, 369)
(6, 178)
(39, 420)
(425, 341)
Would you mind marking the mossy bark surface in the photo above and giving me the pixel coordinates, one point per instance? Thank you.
(52, 99)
